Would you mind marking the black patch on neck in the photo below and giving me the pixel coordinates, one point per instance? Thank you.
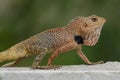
(78, 39)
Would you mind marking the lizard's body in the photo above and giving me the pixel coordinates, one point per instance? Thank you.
(81, 31)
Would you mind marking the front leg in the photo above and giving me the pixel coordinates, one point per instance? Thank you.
(84, 58)
(67, 47)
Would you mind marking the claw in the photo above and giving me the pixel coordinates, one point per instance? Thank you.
(46, 67)
(98, 62)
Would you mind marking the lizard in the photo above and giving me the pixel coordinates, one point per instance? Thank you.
(80, 31)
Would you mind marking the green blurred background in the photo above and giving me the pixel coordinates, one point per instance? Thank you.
(20, 19)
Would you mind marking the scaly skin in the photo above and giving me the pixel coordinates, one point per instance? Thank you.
(81, 31)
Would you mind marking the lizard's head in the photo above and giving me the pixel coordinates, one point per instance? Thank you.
(89, 28)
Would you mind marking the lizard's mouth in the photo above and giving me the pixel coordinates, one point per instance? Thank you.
(92, 38)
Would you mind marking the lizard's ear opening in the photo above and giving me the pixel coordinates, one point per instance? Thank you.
(85, 25)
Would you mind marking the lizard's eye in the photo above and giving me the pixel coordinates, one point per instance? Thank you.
(94, 19)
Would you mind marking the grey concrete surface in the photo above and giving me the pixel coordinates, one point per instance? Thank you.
(106, 71)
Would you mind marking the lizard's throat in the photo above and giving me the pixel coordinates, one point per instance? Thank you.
(92, 38)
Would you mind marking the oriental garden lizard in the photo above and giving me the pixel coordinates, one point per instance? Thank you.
(80, 31)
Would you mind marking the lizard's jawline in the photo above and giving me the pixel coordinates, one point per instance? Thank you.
(92, 39)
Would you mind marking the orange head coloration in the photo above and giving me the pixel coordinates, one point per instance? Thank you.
(89, 28)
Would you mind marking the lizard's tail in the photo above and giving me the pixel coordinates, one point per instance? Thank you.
(11, 54)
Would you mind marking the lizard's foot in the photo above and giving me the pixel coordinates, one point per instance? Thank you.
(46, 67)
(98, 62)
